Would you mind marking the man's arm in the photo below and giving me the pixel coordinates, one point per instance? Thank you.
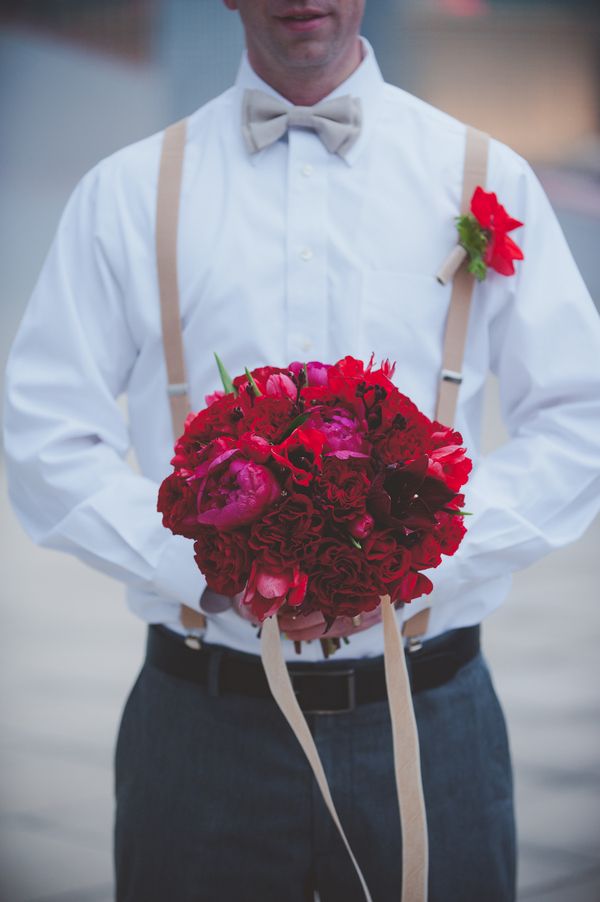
(65, 436)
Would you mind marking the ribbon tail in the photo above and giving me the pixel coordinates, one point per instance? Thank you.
(407, 762)
(280, 685)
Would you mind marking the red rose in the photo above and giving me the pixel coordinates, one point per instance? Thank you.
(491, 215)
(223, 558)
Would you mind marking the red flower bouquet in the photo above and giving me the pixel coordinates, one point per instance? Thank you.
(320, 487)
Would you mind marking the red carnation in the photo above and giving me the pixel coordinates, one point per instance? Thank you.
(224, 558)
(449, 532)
(342, 489)
(343, 584)
(290, 532)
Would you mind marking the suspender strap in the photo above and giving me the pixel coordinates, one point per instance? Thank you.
(167, 218)
(475, 172)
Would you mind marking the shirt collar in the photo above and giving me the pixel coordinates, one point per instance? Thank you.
(366, 82)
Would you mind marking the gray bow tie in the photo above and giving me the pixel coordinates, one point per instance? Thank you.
(266, 118)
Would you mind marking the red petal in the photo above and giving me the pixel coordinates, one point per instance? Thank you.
(483, 206)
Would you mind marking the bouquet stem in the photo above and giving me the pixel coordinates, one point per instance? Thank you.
(330, 646)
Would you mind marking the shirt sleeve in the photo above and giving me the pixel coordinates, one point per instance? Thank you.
(66, 437)
(541, 488)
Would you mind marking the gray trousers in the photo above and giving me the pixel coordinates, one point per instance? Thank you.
(216, 802)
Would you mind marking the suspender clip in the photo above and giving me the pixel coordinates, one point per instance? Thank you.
(452, 376)
(177, 388)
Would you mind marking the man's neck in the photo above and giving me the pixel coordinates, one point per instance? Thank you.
(306, 87)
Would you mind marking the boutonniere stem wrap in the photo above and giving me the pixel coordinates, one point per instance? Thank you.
(483, 240)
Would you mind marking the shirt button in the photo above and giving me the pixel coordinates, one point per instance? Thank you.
(306, 254)
(306, 344)
(307, 170)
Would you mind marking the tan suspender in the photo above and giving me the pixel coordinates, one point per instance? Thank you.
(475, 172)
(167, 220)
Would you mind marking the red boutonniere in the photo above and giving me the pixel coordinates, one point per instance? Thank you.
(484, 239)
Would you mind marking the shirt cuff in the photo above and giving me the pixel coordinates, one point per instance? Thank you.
(177, 576)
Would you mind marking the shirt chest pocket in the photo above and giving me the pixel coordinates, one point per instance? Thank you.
(403, 318)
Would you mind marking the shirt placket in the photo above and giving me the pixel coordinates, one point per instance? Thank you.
(306, 249)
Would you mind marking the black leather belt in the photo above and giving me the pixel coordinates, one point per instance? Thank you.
(324, 688)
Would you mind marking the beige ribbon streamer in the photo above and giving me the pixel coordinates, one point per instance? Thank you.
(283, 693)
(406, 749)
(407, 762)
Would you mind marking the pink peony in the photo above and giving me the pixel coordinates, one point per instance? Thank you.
(234, 491)
(343, 434)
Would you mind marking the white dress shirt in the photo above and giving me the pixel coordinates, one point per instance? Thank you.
(297, 254)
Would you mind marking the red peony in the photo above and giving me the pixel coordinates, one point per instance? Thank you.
(177, 503)
(232, 490)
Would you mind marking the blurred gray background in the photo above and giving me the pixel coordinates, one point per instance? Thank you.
(80, 78)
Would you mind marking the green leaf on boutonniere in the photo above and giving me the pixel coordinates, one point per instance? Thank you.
(226, 379)
(356, 543)
(253, 384)
(474, 239)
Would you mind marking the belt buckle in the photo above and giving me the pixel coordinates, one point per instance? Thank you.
(350, 683)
